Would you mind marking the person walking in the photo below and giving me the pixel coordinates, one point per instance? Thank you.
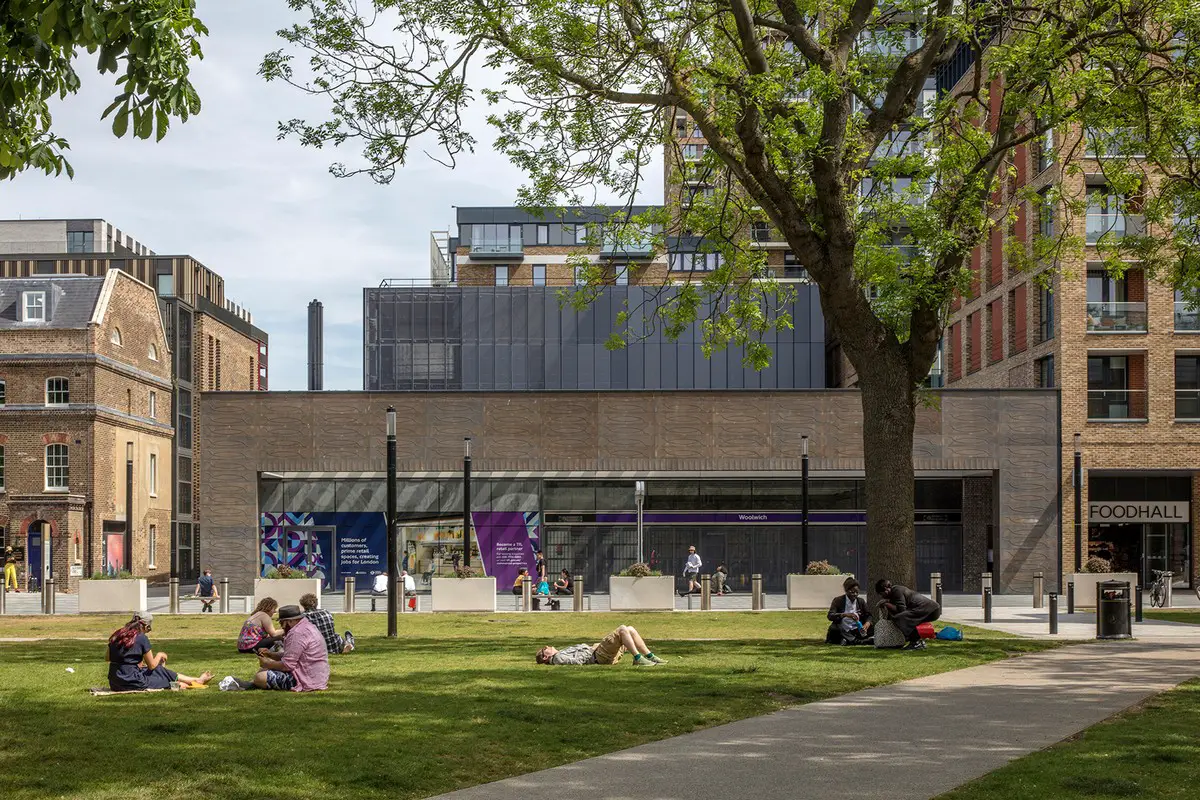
(206, 591)
(10, 570)
(691, 572)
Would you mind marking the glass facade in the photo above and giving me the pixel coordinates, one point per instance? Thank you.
(525, 338)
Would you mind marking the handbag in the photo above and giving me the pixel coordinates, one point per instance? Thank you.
(887, 635)
(925, 630)
(950, 634)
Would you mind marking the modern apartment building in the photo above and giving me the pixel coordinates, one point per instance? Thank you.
(85, 385)
(213, 342)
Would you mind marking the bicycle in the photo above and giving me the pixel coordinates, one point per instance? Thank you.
(1158, 591)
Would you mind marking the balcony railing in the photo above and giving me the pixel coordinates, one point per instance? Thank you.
(1187, 404)
(618, 251)
(1116, 404)
(1114, 226)
(1116, 317)
(1187, 317)
(485, 248)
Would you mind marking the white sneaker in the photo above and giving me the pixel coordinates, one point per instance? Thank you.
(230, 684)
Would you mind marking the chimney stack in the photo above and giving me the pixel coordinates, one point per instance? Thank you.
(316, 346)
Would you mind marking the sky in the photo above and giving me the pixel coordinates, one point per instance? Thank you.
(264, 214)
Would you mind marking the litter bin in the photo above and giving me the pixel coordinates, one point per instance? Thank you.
(1112, 610)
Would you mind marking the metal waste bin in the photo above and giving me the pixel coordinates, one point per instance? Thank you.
(1112, 610)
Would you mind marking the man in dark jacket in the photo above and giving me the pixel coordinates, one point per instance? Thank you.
(849, 619)
(907, 609)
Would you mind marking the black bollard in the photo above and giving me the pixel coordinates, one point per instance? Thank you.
(1137, 604)
(1070, 597)
(937, 598)
(987, 605)
(1053, 613)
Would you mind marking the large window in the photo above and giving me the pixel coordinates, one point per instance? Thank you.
(183, 431)
(57, 472)
(1108, 307)
(58, 391)
(1110, 391)
(1187, 386)
(1105, 215)
(1045, 314)
(166, 284)
(81, 242)
(183, 491)
(695, 262)
(33, 306)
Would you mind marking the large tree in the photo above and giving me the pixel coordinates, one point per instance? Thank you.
(820, 116)
(151, 43)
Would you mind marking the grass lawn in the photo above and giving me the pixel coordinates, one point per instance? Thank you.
(455, 701)
(1189, 615)
(1150, 752)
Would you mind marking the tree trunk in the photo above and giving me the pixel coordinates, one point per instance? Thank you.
(889, 417)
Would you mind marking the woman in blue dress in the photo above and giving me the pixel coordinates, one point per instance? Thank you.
(133, 666)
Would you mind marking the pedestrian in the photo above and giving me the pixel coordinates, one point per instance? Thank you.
(607, 651)
(304, 665)
(540, 567)
(10, 570)
(206, 591)
(691, 572)
(323, 620)
(906, 609)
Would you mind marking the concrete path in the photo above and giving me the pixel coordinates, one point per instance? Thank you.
(956, 726)
(1035, 624)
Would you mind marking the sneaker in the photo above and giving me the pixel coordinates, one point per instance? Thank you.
(230, 684)
(644, 662)
(917, 645)
(349, 637)
(656, 659)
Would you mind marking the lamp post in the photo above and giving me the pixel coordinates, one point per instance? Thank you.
(128, 549)
(639, 496)
(466, 501)
(391, 522)
(1078, 506)
(804, 502)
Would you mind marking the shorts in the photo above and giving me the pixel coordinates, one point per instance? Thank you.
(610, 649)
(280, 681)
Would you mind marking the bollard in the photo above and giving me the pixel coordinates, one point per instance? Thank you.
(578, 593)
(1039, 586)
(348, 598)
(224, 604)
(1168, 596)
(1053, 613)
(938, 597)
(987, 605)
(1137, 603)
(527, 593)
(935, 584)
(1070, 597)
(756, 595)
(3, 594)
(48, 595)
(173, 596)
(985, 584)
(706, 593)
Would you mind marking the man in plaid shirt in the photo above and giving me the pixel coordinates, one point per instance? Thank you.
(323, 621)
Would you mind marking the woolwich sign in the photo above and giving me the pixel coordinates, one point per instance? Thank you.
(1139, 512)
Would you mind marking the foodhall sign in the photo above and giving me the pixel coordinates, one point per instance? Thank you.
(1139, 512)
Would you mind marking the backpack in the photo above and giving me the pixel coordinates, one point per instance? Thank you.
(950, 634)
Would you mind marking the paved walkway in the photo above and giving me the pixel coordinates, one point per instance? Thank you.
(1035, 624)
(956, 727)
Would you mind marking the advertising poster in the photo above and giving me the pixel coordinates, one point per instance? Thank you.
(505, 544)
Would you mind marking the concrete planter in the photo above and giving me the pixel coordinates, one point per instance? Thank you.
(464, 594)
(813, 591)
(1085, 585)
(112, 597)
(285, 591)
(653, 593)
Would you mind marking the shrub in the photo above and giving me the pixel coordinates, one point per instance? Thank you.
(821, 568)
(1098, 564)
(283, 572)
(639, 570)
(123, 575)
(466, 572)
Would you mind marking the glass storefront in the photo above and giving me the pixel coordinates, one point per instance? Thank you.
(1142, 523)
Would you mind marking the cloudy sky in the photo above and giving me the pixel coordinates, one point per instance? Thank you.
(264, 214)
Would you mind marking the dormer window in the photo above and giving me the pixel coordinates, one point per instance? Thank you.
(33, 306)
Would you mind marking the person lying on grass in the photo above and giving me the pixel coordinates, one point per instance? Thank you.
(607, 651)
(133, 666)
(304, 665)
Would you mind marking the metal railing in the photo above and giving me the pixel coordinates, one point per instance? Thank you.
(1113, 226)
(1116, 317)
(497, 247)
(1116, 404)
(1187, 317)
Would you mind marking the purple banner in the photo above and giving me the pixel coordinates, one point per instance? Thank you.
(711, 517)
(504, 544)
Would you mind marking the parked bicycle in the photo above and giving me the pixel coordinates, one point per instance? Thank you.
(1160, 587)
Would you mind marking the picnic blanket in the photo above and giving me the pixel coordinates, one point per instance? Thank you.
(104, 691)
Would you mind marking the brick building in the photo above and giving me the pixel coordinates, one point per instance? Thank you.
(213, 342)
(85, 378)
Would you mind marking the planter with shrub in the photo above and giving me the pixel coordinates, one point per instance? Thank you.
(112, 594)
(1097, 570)
(467, 591)
(640, 588)
(820, 583)
(285, 586)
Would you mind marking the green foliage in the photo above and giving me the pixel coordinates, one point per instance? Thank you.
(639, 570)
(283, 572)
(466, 572)
(150, 43)
(821, 568)
(123, 575)
(1096, 564)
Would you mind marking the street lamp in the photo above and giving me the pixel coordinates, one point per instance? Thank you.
(391, 522)
(466, 501)
(128, 549)
(639, 496)
(1078, 506)
(804, 502)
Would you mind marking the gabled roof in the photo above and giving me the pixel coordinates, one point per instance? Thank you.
(70, 301)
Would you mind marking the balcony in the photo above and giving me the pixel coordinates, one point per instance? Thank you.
(497, 248)
(1187, 318)
(632, 250)
(1116, 317)
(1117, 405)
(1114, 226)
(1187, 404)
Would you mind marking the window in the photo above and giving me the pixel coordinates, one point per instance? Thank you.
(2, 392)
(45, 268)
(580, 276)
(622, 276)
(183, 430)
(115, 337)
(152, 352)
(218, 367)
(153, 405)
(1105, 215)
(33, 306)
(1045, 372)
(57, 473)
(543, 234)
(760, 231)
(1045, 150)
(539, 274)
(58, 392)
(183, 491)
(152, 474)
(1116, 387)
(151, 546)
(1187, 386)
(691, 152)
(1045, 214)
(81, 242)
(1, 468)
(496, 238)
(1045, 314)
(581, 234)
(502, 276)
(695, 262)
(166, 285)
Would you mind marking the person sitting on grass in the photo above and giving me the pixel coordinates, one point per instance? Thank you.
(258, 631)
(324, 621)
(907, 609)
(134, 667)
(563, 585)
(849, 619)
(304, 665)
(607, 651)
